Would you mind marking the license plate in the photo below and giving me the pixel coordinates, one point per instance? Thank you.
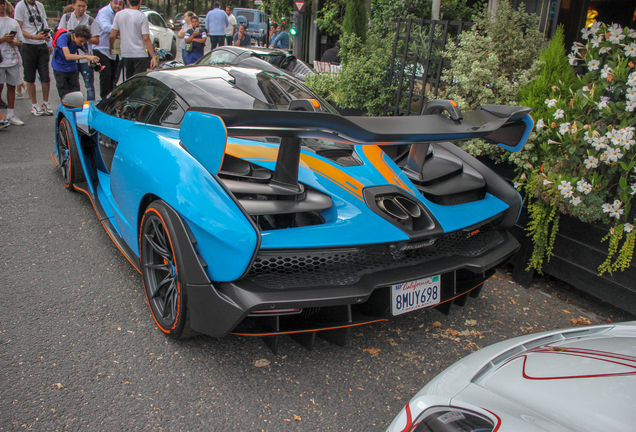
(417, 294)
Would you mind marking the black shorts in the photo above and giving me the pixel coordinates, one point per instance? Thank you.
(135, 65)
(35, 58)
(66, 82)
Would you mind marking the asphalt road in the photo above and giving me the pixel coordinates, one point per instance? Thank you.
(80, 351)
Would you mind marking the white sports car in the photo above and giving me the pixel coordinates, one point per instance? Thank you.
(581, 379)
(162, 36)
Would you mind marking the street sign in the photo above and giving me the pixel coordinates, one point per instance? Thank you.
(300, 5)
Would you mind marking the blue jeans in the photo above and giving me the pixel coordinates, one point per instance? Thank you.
(89, 80)
(184, 56)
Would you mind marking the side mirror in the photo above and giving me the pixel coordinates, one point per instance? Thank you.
(204, 136)
(73, 101)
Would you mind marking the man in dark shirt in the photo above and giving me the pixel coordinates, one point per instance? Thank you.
(242, 38)
(195, 40)
(332, 55)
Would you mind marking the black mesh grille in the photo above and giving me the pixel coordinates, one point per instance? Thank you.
(280, 270)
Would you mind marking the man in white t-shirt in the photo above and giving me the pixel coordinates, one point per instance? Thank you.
(10, 41)
(71, 20)
(137, 52)
(31, 17)
(230, 30)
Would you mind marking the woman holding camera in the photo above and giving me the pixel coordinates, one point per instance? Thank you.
(65, 58)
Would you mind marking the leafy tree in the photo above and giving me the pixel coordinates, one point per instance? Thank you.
(355, 19)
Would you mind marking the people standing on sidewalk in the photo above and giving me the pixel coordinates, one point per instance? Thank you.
(195, 41)
(71, 20)
(65, 58)
(108, 77)
(216, 22)
(10, 41)
(230, 30)
(31, 17)
(137, 52)
(181, 35)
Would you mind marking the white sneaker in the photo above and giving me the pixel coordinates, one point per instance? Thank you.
(20, 95)
(15, 121)
(4, 124)
(47, 109)
(37, 111)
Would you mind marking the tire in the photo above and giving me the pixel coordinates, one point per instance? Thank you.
(173, 49)
(67, 156)
(160, 263)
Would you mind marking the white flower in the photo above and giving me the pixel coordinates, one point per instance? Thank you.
(546, 182)
(630, 94)
(633, 186)
(598, 143)
(613, 155)
(591, 162)
(616, 34)
(551, 103)
(605, 71)
(516, 184)
(564, 128)
(568, 194)
(632, 34)
(628, 144)
(607, 208)
(575, 201)
(617, 204)
(628, 227)
(586, 33)
(630, 50)
(618, 141)
(630, 106)
(604, 50)
(586, 88)
(596, 41)
(595, 27)
(601, 105)
(584, 187)
(593, 64)
(572, 59)
(611, 134)
(616, 213)
(540, 124)
(565, 187)
(631, 80)
(558, 114)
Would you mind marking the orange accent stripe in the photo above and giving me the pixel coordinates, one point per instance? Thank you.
(376, 157)
(315, 103)
(107, 232)
(308, 331)
(54, 162)
(176, 319)
(331, 173)
(453, 103)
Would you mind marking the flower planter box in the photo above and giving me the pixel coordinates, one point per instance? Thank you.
(578, 252)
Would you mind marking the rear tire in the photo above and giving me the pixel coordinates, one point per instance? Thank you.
(67, 156)
(160, 263)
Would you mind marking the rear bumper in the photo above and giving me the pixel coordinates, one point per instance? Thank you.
(217, 309)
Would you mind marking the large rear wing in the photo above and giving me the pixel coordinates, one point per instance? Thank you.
(506, 126)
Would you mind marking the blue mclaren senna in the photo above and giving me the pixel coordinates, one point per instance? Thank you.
(251, 207)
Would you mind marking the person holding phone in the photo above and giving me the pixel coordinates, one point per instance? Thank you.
(10, 41)
(195, 39)
(31, 17)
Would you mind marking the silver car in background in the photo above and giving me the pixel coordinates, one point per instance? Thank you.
(581, 379)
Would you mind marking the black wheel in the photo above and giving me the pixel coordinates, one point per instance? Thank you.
(67, 155)
(160, 263)
(173, 49)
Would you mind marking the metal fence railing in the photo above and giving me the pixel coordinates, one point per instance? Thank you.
(417, 62)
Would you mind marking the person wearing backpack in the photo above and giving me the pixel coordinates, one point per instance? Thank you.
(66, 56)
(70, 21)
